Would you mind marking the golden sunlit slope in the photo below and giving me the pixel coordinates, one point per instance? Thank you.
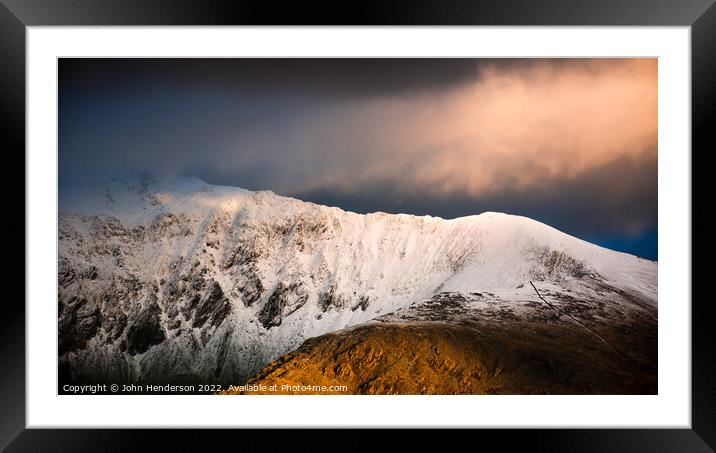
(439, 358)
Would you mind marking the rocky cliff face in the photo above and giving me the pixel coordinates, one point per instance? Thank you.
(181, 281)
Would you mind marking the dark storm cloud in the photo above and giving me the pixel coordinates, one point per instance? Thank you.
(274, 77)
(324, 77)
(568, 142)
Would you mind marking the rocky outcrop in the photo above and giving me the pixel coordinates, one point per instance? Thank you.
(330, 299)
(80, 319)
(144, 330)
(362, 303)
(556, 266)
(212, 308)
(284, 301)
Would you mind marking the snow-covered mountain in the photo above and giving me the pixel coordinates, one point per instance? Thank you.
(181, 280)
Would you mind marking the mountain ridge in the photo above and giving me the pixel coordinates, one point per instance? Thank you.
(167, 278)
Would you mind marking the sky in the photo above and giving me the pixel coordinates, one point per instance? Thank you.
(569, 142)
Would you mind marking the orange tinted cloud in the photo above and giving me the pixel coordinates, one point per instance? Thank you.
(512, 127)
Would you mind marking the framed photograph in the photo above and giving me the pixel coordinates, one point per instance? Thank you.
(440, 218)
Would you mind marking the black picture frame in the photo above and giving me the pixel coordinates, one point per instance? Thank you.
(16, 15)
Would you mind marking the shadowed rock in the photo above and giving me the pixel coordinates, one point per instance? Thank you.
(144, 331)
(284, 301)
(79, 322)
